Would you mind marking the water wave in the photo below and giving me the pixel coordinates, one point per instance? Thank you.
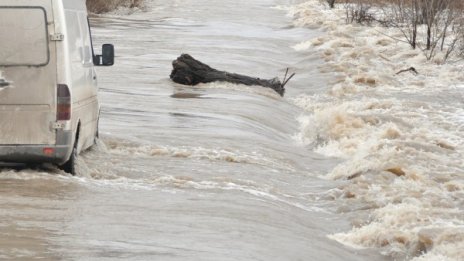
(200, 153)
(400, 138)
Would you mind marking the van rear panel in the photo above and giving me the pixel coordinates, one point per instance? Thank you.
(28, 65)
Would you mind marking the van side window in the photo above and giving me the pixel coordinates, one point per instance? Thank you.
(87, 46)
(75, 38)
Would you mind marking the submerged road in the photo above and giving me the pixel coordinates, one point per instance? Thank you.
(205, 173)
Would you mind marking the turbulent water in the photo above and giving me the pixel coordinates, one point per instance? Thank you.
(228, 172)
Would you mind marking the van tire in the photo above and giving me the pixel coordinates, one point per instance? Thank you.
(70, 166)
(97, 135)
(97, 131)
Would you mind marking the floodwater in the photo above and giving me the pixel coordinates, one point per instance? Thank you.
(213, 172)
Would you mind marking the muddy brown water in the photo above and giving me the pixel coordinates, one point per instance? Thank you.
(181, 173)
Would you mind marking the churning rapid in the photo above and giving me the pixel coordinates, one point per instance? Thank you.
(354, 163)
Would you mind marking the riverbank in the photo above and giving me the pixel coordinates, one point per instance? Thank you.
(399, 135)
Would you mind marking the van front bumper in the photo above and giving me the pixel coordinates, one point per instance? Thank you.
(57, 154)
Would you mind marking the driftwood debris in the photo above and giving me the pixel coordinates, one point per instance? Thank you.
(188, 71)
(410, 69)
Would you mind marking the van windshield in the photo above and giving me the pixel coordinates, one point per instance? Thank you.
(23, 36)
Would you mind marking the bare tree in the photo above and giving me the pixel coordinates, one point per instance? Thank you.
(454, 43)
(358, 11)
(424, 23)
(440, 18)
(406, 16)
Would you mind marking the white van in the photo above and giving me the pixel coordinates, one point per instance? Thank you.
(48, 87)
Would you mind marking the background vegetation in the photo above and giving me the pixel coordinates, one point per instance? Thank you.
(431, 25)
(104, 6)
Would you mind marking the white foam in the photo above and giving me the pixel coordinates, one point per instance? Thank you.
(400, 136)
(200, 153)
(49, 173)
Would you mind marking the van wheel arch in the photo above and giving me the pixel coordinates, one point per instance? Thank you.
(70, 166)
(76, 136)
(97, 131)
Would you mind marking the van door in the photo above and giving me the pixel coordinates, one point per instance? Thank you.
(28, 67)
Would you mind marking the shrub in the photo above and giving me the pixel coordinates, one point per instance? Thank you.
(359, 11)
(430, 25)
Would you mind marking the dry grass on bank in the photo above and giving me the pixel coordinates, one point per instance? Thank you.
(104, 6)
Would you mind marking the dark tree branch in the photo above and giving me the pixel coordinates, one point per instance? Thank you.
(188, 71)
(410, 69)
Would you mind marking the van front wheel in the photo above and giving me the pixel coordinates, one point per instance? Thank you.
(71, 165)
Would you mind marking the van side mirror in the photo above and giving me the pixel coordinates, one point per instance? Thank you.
(107, 56)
